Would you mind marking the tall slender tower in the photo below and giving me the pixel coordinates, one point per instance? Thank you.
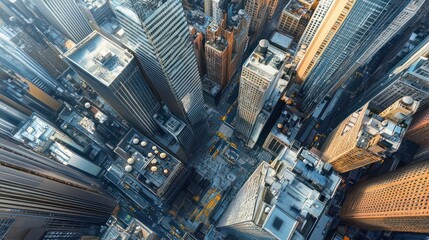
(43, 199)
(65, 16)
(260, 75)
(315, 22)
(258, 11)
(14, 59)
(158, 33)
(36, 46)
(364, 138)
(355, 39)
(396, 201)
(115, 75)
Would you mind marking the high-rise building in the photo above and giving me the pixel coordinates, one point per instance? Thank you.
(259, 79)
(258, 11)
(218, 50)
(96, 11)
(412, 12)
(217, 9)
(316, 20)
(208, 8)
(166, 56)
(413, 82)
(15, 59)
(418, 132)
(198, 40)
(272, 6)
(239, 28)
(346, 41)
(36, 46)
(395, 201)
(406, 78)
(115, 74)
(287, 199)
(43, 199)
(294, 18)
(327, 29)
(66, 17)
(364, 137)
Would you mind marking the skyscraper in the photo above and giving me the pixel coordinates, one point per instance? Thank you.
(218, 50)
(406, 78)
(217, 9)
(327, 29)
(353, 38)
(115, 75)
(259, 78)
(364, 137)
(13, 58)
(395, 201)
(283, 200)
(166, 56)
(315, 21)
(41, 198)
(65, 16)
(36, 46)
(413, 82)
(258, 11)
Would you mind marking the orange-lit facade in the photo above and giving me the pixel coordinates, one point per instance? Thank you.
(332, 22)
(340, 148)
(364, 137)
(397, 201)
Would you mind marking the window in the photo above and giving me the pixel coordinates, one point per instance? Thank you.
(5, 225)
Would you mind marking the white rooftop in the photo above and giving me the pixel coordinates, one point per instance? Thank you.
(268, 65)
(100, 57)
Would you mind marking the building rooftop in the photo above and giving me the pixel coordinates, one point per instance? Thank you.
(298, 7)
(100, 57)
(377, 134)
(266, 64)
(210, 86)
(144, 166)
(282, 41)
(134, 230)
(198, 20)
(41, 136)
(219, 43)
(288, 196)
(287, 126)
(169, 122)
